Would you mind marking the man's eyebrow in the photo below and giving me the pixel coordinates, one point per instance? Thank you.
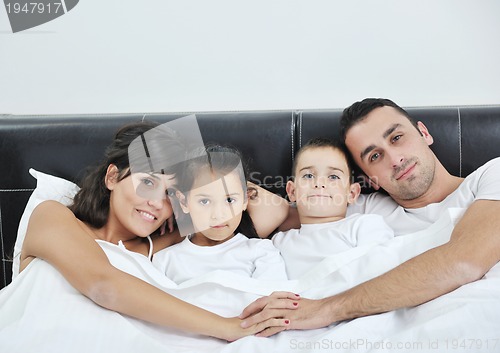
(386, 134)
(366, 151)
(390, 130)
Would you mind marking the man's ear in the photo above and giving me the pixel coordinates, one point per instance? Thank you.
(290, 190)
(111, 177)
(354, 191)
(425, 133)
(182, 201)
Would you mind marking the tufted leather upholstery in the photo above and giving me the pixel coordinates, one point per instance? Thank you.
(465, 138)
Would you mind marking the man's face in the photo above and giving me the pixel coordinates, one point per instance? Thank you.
(393, 153)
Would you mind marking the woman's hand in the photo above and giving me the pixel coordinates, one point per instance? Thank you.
(233, 330)
(266, 309)
(299, 313)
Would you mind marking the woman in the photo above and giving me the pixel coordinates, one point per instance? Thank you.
(123, 206)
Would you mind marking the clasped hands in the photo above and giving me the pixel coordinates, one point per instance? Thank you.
(285, 311)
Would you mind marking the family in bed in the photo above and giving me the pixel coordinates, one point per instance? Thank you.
(132, 201)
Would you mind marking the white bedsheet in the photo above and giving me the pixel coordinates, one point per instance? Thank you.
(41, 312)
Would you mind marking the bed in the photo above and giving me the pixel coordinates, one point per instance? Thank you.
(58, 148)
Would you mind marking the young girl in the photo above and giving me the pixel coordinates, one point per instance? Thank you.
(212, 191)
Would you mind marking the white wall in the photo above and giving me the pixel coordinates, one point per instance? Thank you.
(118, 56)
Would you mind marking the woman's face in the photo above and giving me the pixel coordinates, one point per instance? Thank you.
(139, 203)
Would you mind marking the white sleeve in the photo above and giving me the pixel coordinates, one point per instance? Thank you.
(269, 264)
(488, 184)
(372, 229)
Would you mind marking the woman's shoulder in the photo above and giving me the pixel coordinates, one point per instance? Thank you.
(51, 205)
(50, 210)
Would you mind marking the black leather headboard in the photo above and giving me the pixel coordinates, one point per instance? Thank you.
(465, 138)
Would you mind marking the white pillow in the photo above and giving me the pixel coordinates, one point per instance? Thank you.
(48, 187)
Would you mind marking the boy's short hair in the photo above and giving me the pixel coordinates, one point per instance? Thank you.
(323, 142)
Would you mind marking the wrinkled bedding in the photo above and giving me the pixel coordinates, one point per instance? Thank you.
(41, 312)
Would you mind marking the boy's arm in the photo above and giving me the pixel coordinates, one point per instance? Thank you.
(267, 210)
(473, 249)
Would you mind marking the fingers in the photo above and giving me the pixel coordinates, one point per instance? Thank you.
(285, 295)
(277, 300)
(272, 330)
(279, 312)
(254, 307)
(271, 326)
(170, 222)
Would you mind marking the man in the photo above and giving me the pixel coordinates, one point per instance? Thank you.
(394, 153)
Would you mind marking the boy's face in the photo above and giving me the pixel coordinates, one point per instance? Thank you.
(322, 188)
(215, 209)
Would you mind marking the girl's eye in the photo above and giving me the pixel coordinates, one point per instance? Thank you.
(230, 200)
(204, 202)
(334, 177)
(148, 182)
(308, 176)
(374, 157)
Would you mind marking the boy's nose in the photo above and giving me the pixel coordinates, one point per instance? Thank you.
(320, 183)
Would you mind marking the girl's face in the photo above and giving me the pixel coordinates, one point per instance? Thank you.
(139, 203)
(215, 209)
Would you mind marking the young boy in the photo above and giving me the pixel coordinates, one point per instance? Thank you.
(321, 188)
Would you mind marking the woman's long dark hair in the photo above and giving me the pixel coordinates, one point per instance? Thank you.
(91, 203)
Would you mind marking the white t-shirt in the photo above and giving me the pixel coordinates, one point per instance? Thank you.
(306, 247)
(482, 184)
(257, 258)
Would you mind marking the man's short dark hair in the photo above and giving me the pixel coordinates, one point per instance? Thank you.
(359, 110)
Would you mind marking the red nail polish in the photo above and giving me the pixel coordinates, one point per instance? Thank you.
(297, 295)
(287, 322)
(295, 304)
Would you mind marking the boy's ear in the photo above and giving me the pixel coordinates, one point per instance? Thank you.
(182, 201)
(290, 190)
(354, 191)
(111, 177)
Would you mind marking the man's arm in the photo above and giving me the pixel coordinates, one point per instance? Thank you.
(474, 248)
